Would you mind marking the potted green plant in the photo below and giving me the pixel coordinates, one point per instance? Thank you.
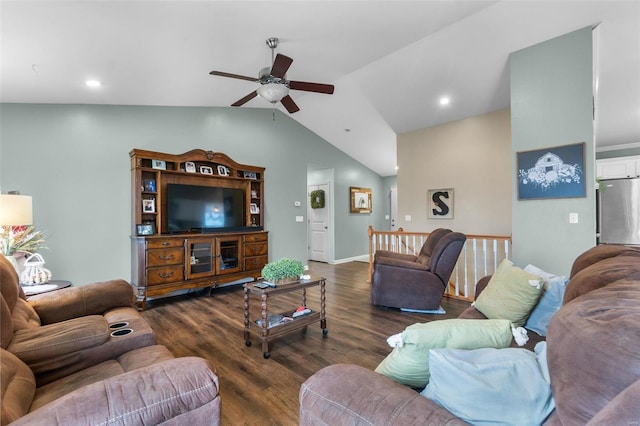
(282, 270)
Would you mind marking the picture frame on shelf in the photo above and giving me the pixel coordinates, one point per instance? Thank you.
(361, 200)
(223, 171)
(254, 193)
(254, 209)
(249, 175)
(143, 229)
(149, 185)
(149, 205)
(159, 164)
(190, 167)
(206, 170)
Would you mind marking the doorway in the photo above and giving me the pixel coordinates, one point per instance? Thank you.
(319, 199)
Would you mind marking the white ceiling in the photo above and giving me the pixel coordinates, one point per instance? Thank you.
(390, 61)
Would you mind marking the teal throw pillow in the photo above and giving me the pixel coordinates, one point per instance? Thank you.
(549, 303)
(409, 364)
(492, 386)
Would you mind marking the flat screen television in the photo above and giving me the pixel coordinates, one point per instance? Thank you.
(204, 208)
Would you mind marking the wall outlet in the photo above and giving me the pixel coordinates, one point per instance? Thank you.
(299, 218)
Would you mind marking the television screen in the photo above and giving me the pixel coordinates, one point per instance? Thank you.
(192, 207)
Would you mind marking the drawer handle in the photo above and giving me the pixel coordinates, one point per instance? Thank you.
(163, 275)
(165, 243)
(166, 257)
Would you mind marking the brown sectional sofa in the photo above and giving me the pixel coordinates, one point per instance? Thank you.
(592, 355)
(60, 362)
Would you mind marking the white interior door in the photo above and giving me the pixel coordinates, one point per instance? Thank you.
(393, 195)
(319, 226)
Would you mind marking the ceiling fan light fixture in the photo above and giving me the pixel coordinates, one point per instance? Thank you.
(273, 92)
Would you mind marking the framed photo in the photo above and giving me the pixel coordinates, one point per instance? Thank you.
(190, 167)
(361, 200)
(149, 185)
(440, 203)
(223, 171)
(254, 209)
(206, 170)
(556, 172)
(149, 206)
(159, 164)
(250, 175)
(146, 229)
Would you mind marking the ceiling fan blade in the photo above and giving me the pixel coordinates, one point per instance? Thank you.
(311, 87)
(226, 74)
(289, 104)
(245, 99)
(280, 65)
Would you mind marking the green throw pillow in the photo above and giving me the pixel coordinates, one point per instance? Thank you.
(409, 364)
(511, 294)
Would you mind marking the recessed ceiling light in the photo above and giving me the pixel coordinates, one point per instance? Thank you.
(93, 83)
(445, 100)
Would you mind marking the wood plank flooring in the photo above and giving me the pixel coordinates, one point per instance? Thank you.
(258, 391)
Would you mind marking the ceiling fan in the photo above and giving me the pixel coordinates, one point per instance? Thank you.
(274, 87)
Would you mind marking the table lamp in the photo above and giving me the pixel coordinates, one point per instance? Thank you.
(16, 210)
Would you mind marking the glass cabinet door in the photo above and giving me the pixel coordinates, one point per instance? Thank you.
(229, 254)
(200, 258)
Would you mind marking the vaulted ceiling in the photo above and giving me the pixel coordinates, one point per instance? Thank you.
(390, 61)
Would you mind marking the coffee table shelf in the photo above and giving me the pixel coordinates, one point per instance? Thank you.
(263, 331)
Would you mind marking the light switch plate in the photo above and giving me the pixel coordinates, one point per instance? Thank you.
(573, 217)
(299, 218)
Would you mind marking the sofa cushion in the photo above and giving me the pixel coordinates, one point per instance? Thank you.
(549, 303)
(40, 344)
(17, 387)
(592, 348)
(511, 294)
(523, 396)
(130, 361)
(409, 364)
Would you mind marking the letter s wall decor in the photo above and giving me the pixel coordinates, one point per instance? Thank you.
(440, 204)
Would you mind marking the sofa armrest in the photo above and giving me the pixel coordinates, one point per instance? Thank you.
(90, 299)
(350, 394)
(40, 346)
(401, 263)
(184, 390)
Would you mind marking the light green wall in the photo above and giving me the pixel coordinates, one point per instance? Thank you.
(552, 105)
(472, 157)
(74, 161)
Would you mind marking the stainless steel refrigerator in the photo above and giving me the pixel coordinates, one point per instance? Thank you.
(619, 211)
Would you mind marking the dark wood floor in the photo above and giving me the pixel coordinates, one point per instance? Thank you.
(258, 391)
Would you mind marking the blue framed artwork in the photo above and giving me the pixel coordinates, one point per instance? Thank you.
(552, 173)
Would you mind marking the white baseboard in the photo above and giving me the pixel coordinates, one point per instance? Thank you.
(363, 258)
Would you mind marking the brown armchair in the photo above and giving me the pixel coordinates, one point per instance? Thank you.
(68, 330)
(416, 282)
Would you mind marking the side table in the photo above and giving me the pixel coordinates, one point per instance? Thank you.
(52, 285)
(261, 328)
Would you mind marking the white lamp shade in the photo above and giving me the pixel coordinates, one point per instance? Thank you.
(273, 92)
(16, 210)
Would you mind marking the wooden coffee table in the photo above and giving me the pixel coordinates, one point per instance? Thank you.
(262, 329)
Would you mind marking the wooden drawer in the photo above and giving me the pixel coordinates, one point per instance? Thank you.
(169, 256)
(254, 238)
(254, 263)
(170, 242)
(259, 249)
(169, 274)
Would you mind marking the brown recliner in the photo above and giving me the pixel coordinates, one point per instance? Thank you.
(416, 282)
(67, 330)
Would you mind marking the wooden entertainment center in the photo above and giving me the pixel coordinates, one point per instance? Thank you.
(168, 191)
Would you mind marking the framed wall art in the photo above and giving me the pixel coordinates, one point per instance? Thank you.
(440, 203)
(361, 200)
(556, 172)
